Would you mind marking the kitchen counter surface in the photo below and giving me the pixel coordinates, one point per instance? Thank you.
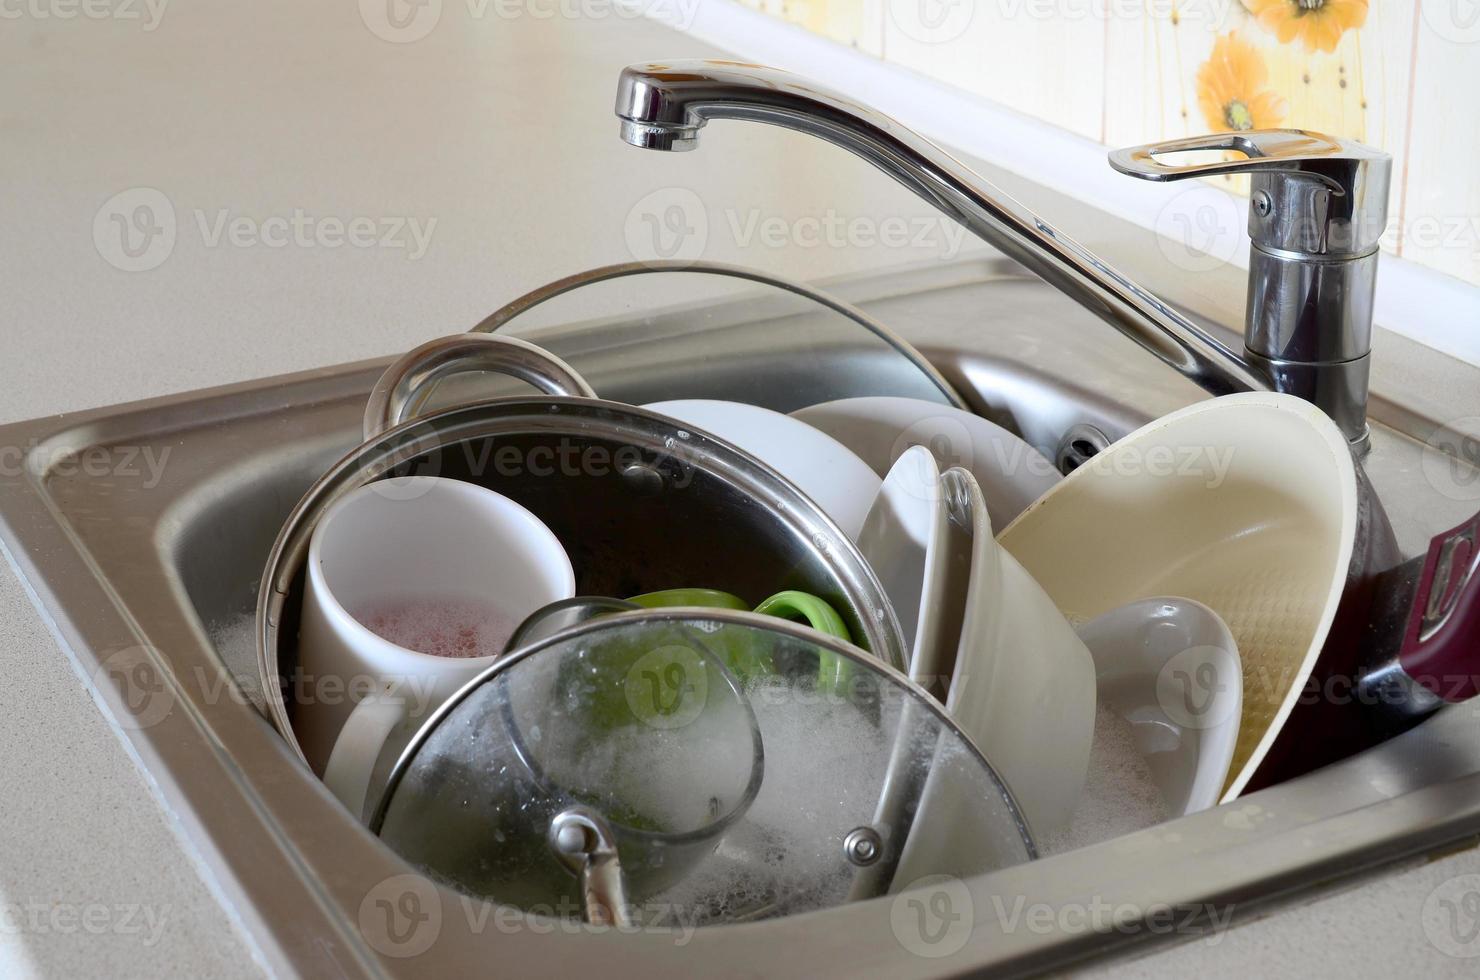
(481, 161)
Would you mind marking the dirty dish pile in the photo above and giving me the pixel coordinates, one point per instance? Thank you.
(1247, 504)
(719, 582)
(606, 658)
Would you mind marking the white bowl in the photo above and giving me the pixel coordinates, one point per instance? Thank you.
(821, 467)
(1024, 683)
(1011, 473)
(1170, 668)
(1246, 503)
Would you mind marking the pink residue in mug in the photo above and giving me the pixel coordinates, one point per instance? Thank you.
(440, 627)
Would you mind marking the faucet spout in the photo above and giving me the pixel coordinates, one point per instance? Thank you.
(664, 107)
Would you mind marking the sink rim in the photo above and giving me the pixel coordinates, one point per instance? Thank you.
(241, 807)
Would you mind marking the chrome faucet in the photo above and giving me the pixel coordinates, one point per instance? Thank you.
(1317, 208)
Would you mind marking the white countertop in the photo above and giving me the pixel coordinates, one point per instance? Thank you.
(267, 109)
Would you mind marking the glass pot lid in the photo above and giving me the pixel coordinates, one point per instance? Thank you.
(643, 332)
(684, 767)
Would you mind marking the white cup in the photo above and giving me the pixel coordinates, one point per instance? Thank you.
(397, 540)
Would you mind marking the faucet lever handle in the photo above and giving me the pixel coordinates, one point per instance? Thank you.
(1265, 149)
(1312, 194)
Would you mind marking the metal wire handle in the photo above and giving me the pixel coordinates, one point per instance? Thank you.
(403, 390)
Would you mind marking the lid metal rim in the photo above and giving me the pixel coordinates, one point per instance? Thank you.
(415, 437)
(728, 617)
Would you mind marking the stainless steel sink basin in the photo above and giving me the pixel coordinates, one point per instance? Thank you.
(140, 526)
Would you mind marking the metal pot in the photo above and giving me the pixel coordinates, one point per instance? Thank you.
(639, 502)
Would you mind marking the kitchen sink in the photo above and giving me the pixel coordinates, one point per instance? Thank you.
(143, 528)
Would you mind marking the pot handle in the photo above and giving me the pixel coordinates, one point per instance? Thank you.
(403, 390)
(1441, 644)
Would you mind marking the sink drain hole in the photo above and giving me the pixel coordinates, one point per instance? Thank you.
(1082, 443)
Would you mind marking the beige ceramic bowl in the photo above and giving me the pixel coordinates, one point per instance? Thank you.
(1245, 503)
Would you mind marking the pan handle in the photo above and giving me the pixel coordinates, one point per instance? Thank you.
(403, 390)
(1441, 645)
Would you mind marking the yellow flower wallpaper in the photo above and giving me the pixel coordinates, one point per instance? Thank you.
(1397, 74)
(1318, 24)
(1233, 88)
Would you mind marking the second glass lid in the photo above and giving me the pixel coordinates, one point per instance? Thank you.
(693, 767)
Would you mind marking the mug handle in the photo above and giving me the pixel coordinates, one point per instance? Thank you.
(359, 745)
(403, 390)
(833, 671)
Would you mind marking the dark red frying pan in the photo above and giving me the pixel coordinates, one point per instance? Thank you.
(1411, 645)
(1426, 628)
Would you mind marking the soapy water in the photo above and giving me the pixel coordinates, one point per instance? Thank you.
(824, 769)
(453, 628)
(235, 641)
(1120, 796)
(441, 628)
(676, 780)
(825, 760)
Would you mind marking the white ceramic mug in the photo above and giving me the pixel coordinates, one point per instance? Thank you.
(408, 539)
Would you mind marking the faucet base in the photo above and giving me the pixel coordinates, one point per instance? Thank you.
(1339, 388)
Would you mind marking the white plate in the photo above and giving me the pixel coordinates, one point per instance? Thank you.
(904, 540)
(1024, 683)
(1011, 473)
(820, 466)
(1170, 667)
